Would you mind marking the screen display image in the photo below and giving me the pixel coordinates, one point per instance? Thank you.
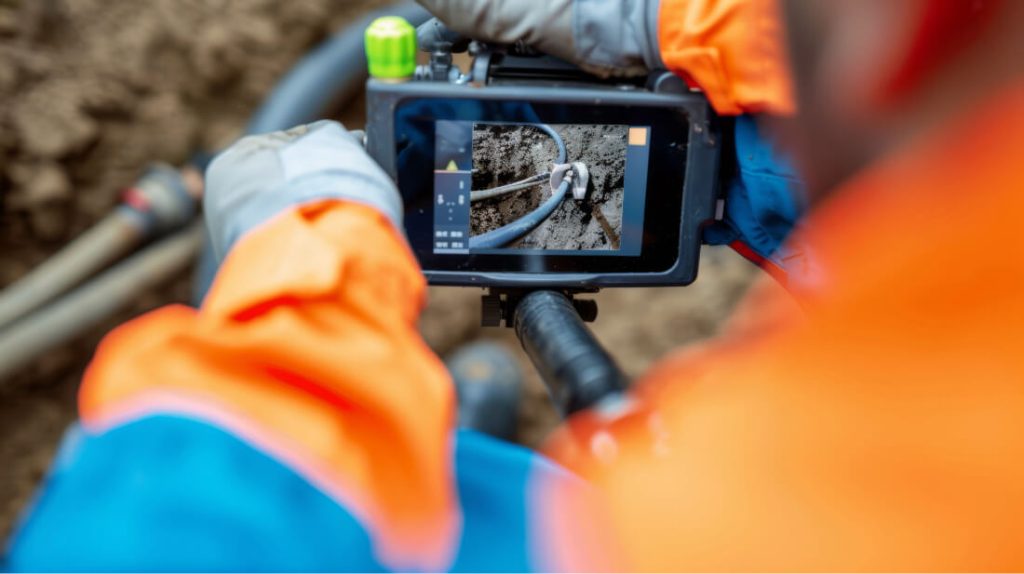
(550, 188)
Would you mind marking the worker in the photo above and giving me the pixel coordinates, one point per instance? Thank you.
(296, 421)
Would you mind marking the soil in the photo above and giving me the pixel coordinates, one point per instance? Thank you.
(91, 91)
(506, 154)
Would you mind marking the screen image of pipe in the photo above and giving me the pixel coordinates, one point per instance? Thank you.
(551, 187)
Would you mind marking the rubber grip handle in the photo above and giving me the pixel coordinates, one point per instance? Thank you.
(578, 372)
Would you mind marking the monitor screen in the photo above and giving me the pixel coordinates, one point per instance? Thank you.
(488, 186)
(573, 189)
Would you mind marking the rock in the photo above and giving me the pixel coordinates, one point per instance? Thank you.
(49, 122)
(40, 183)
(44, 192)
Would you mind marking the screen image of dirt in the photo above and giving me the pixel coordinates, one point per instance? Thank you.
(515, 161)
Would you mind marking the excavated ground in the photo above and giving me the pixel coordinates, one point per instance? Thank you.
(507, 154)
(93, 90)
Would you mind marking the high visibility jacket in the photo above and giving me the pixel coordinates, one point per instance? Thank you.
(882, 428)
(297, 421)
(733, 50)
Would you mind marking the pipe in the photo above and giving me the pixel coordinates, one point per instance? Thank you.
(475, 196)
(577, 370)
(110, 239)
(507, 234)
(504, 235)
(94, 302)
(333, 72)
(163, 198)
(562, 154)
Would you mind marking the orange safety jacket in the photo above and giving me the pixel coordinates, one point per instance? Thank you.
(733, 50)
(880, 430)
(883, 429)
(304, 379)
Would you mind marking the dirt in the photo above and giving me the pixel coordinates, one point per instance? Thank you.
(91, 91)
(506, 154)
(638, 326)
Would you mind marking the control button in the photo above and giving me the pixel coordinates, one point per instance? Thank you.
(391, 48)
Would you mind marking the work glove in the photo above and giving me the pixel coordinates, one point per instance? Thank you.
(261, 176)
(604, 37)
(764, 200)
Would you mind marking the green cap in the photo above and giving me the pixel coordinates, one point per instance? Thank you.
(391, 48)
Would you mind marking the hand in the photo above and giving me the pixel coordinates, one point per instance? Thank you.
(261, 176)
(764, 200)
(604, 37)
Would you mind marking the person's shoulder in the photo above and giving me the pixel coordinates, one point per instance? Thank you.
(169, 492)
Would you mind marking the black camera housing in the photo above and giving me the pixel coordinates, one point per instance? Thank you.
(682, 171)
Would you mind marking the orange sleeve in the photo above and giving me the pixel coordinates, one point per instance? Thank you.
(307, 347)
(734, 50)
(880, 430)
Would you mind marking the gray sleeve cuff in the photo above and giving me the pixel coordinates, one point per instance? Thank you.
(652, 45)
(262, 176)
(620, 36)
(356, 187)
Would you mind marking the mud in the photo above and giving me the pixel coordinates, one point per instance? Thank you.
(506, 154)
(93, 90)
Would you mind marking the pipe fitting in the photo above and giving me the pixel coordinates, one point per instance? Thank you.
(580, 180)
(165, 198)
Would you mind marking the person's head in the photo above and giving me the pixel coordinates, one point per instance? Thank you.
(869, 74)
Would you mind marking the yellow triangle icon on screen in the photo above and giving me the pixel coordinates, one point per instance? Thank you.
(452, 166)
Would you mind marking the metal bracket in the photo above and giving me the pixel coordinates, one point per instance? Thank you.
(498, 306)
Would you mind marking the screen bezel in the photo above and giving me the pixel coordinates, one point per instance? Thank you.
(667, 174)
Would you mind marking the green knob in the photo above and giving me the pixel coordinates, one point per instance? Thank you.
(391, 48)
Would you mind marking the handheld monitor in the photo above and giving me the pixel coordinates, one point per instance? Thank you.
(548, 185)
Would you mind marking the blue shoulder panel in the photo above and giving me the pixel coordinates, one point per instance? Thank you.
(170, 493)
(765, 197)
(493, 479)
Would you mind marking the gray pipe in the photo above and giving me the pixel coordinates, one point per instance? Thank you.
(107, 241)
(520, 227)
(162, 199)
(534, 181)
(91, 304)
(333, 72)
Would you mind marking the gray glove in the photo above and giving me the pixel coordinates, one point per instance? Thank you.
(604, 37)
(261, 176)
